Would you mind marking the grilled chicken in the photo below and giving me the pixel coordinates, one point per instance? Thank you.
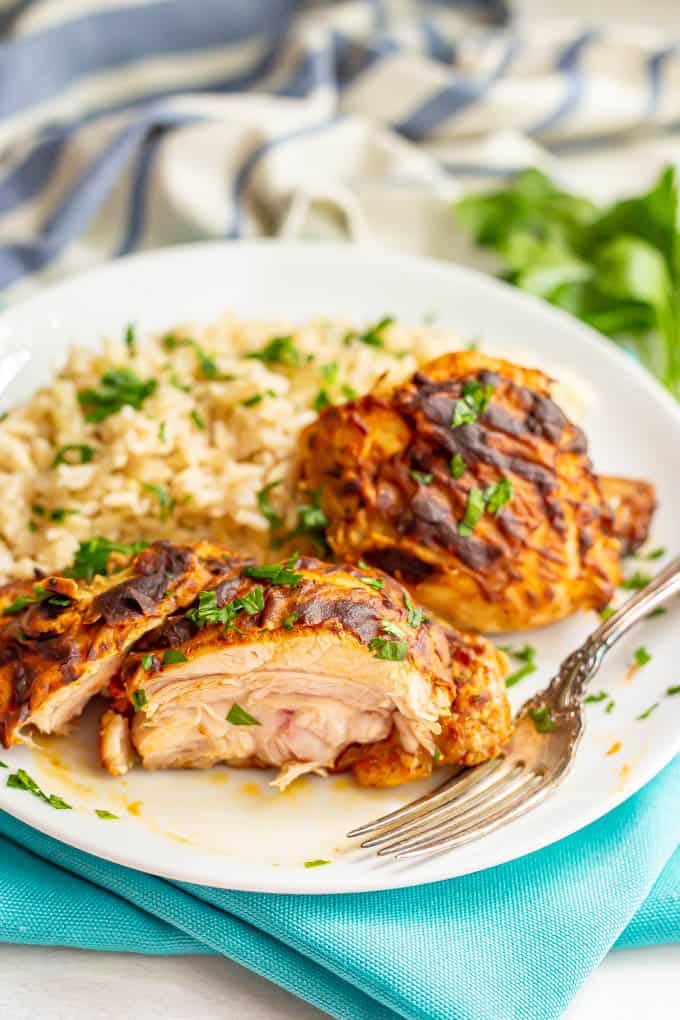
(307, 667)
(62, 638)
(470, 485)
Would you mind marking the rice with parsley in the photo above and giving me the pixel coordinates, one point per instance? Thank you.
(186, 435)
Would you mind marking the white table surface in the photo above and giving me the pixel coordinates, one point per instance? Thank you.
(68, 984)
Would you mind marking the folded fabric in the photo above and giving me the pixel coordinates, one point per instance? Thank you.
(511, 943)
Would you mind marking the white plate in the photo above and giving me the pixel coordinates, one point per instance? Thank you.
(226, 828)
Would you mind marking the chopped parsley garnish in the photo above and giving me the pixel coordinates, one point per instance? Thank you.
(207, 611)
(280, 350)
(384, 648)
(147, 662)
(473, 512)
(171, 342)
(393, 629)
(38, 509)
(497, 495)
(648, 711)
(329, 372)
(348, 392)
(239, 717)
(525, 655)
(253, 602)
(165, 503)
(322, 400)
(108, 816)
(422, 477)
(437, 755)
(660, 611)
(672, 690)
(642, 656)
(291, 620)
(457, 466)
(161, 432)
(607, 613)
(197, 420)
(311, 524)
(172, 656)
(19, 604)
(376, 583)
(257, 398)
(32, 526)
(655, 554)
(51, 598)
(276, 573)
(594, 698)
(120, 387)
(130, 338)
(609, 707)
(373, 336)
(315, 863)
(182, 387)
(3, 765)
(415, 616)
(265, 506)
(20, 780)
(636, 581)
(92, 556)
(542, 719)
(139, 698)
(83, 454)
(207, 365)
(475, 400)
(60, 513)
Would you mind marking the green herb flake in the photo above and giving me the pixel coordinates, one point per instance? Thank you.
(38, 509)
(197, 420)
(92, 556)
(610, 706)
(393, 629)
(20, 780)
(316, 863)
(32, 526)
(291, 620)
(542, 719)
(641, 656)
(497, 495)
(348, 392)
(422, 477)
(527, 656)
(648, 711)
(18, 606)
(107, 816)
(74, 453)
(373, 336)
(120, 387)
(207, 365)
(607, 613)
(474, 401)
(130, 338)
(161, 432)
(3, 764)
(264, 503)
(171, 342)
(166, 504)
(383, 648)
(172, 656)
(376, 583)
(593, 699)
(437, 755)
(322, 400)
(457, 466)
(60, 513)
(182, 387)
(473, 512)
(416, 616)
(277, 573)
(147, 662)
(656, 612)
(139, 699)
(655, 554)
(670, 691)
(329, 372)
(239, 717)
(636, 581)
(280, 350)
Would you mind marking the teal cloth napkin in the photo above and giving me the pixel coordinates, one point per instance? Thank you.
(511, 943)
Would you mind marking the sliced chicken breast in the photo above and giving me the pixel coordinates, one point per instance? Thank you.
(308, 667)
(63, 638)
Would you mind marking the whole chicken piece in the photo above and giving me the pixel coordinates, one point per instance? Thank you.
(63, 637)
(469, 484)
(307, 667)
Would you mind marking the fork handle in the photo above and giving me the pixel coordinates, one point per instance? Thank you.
(584, 663)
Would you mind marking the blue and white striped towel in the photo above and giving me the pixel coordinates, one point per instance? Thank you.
(127, 124)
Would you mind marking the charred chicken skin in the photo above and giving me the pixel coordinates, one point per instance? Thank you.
(63, 638)
(306, 667)
(470, 485)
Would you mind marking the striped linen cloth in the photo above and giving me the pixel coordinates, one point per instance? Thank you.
(127, 125)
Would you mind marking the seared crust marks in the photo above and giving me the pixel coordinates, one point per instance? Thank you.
(397, 475)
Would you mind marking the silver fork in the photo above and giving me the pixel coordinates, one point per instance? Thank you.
(538, 756)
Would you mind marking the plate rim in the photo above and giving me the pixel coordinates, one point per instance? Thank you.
(654, 760)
